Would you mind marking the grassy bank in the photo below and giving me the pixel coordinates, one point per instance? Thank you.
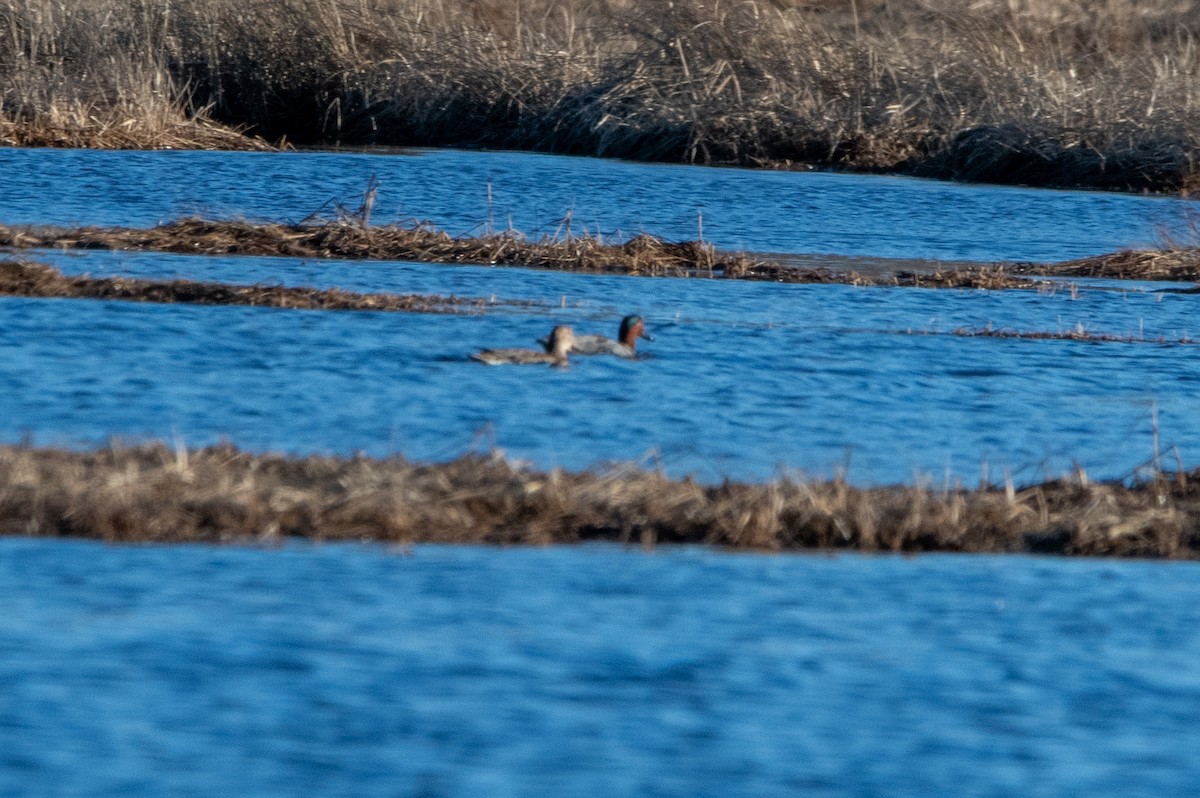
(1040, 92)
(156, 494)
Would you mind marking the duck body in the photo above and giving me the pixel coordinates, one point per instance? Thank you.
(632, 328)
(516, 357)
(600, 345)
(558, 344)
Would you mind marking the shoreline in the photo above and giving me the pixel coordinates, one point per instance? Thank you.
(153, 493)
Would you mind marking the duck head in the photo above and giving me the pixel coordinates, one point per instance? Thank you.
(632, 328)
(560, 341)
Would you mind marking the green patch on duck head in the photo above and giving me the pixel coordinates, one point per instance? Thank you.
(632, 327)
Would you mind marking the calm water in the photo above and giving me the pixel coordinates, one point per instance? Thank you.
(578, 672)
(341, 670)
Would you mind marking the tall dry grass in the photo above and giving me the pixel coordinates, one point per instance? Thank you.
(1032, 91)
(97, 74)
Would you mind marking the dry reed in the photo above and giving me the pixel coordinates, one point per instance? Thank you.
(1171, 263)
(344, 238)
(220, 494)
(1045, 92)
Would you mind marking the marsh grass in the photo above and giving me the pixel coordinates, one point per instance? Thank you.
(349, 238)
(346, 236)
(155, 493)
(96, 75)
(1046, 93)
(26, 279)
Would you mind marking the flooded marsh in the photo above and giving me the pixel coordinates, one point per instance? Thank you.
(341, 647)
(399, 656)
(745, 379)
(741, 380)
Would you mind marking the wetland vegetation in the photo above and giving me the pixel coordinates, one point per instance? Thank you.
(164, 494)
(1034, 92)
(345, 237)
(1037, 93)
(155, 493)
(1175, 262)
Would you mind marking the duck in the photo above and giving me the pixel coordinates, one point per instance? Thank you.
(632, 328)
(558, 344)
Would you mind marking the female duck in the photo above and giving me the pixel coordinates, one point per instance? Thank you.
(632, 328)
(558, 344)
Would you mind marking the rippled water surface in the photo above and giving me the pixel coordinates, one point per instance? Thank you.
(578, 672)
(343, 670)
(742, 378)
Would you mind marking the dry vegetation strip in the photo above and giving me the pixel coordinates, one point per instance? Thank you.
(22, 278)
(642, 255)
(1173, 262)
(1047, 92)
(345, 237)
(220, 494)
(1076, 334)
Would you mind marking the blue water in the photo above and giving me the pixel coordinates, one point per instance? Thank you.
(743, 379)
(802, 212)
(342, 670)
(363, 670)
